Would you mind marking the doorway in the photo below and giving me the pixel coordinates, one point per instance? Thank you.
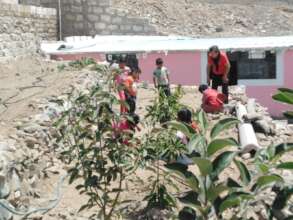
(131, 59)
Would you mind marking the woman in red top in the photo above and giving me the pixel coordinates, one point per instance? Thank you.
(218, 70)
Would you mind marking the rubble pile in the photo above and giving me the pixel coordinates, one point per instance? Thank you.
(30, 155)
(213, 18)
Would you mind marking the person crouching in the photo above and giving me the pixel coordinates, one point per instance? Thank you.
(212, 101)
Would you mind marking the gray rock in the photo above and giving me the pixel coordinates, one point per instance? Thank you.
(31, 128)
(4, 213)
(4, 187)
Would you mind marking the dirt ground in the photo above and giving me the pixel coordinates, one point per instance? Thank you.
(71, 200)
(24, 82)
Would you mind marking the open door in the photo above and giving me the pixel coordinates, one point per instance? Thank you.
(233, 74)
(131, 59)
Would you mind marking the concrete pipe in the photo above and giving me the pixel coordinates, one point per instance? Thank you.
(251, 106)
(247, 135)
(240, 111)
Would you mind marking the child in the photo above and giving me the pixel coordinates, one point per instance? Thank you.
(212, 101)
(161, 77)
(185, 116)
(122, 74)
(131, 90)
(125, 129)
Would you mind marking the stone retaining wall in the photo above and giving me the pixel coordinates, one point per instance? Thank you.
(23, 27)
(91, 17)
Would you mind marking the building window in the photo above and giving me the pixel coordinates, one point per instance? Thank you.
(255, 64)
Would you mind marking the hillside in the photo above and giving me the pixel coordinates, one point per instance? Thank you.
(213, 18)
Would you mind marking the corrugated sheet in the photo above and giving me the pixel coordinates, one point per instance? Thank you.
(162, 43)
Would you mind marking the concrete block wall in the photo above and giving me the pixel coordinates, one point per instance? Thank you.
(23, 27)
(91, 17)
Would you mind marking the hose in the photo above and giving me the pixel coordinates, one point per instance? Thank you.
(53, 203)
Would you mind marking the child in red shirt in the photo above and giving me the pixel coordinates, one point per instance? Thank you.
(125, 129)
(212, 101)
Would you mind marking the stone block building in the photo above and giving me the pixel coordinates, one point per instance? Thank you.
(91, 17)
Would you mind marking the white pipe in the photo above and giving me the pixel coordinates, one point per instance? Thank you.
(251, 106)
(247, 135)
(240, 111)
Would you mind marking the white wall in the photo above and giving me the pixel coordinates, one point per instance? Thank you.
(9, 1)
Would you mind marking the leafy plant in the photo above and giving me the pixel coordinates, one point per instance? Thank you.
(285, 96)
(160, 146)
(211, 196)
(211, 159)
(164, 108)
(83, 62)
(95, 148)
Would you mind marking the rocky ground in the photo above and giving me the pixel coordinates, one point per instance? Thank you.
(30, 170)
(214, 18)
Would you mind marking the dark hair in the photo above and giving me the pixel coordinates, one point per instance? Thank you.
(159, 61)
(214, 48)
(202, 88)
(187, 214)
(133, 119)
(217, 59)
(122, 59)
(135, 70)
(184, 115)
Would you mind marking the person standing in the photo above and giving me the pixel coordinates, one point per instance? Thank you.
(161, 77)
(131, 89)
(218, 69)
(121, 71)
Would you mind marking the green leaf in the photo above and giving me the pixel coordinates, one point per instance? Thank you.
(286, 90)
(178, 168)
(277, 151)
(215, 191)
(244, 172)
(223, 125)
(285, 166)
(202, 119)
(204, 165)
(284, 95)
(234, 201)
(182, 170)
(190, 198)
(180, 127)
(73, 175)
(289, 114)
(282, 198)
(221, 162)
(232, 183)
(193, 144)
(264, 181)
(219, 144)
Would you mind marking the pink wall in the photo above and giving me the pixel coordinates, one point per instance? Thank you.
(263, 94)
(184, 67)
